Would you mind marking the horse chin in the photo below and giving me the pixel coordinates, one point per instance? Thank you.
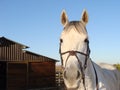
(72, 86)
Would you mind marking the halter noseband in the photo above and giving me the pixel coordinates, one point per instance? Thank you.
(74, 53)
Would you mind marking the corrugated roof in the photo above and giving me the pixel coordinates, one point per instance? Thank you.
(9, 40)
(36, 54)
(6, 41)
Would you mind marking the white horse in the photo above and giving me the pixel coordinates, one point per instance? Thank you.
(80, 73)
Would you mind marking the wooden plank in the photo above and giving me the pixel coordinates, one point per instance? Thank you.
(17, 76)
(41, 75)
(2, 75)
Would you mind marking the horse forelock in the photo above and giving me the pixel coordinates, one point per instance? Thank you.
(79, 27)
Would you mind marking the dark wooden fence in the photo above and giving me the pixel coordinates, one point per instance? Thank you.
(59, 78)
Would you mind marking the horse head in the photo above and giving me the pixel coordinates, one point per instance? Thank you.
(74, 50)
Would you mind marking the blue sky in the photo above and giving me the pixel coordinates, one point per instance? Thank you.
(36, 23)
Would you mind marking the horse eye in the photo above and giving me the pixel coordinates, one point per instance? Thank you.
(61, 40)
(86, 40)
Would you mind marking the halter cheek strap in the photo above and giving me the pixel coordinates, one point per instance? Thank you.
(74, 53)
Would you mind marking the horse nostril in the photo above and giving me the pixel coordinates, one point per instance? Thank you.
(78, 74)
(65, 75)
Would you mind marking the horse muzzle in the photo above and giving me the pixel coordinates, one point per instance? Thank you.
(76, 75)
(72, 78)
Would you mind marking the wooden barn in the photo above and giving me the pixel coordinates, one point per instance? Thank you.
(23, 70)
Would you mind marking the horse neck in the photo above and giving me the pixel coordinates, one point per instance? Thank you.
(90, 78)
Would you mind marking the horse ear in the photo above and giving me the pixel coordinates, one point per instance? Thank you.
(64, 18)
(85, 17)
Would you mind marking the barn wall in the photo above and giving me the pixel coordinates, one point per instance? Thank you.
(2, 75)
(17, 76)
(11, 51)
(41, 74)
(22, 75)
(24, 69)
(14, 52)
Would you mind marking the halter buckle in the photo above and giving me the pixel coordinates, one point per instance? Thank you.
(72, 53)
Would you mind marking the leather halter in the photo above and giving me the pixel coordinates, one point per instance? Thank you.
(74, 53)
